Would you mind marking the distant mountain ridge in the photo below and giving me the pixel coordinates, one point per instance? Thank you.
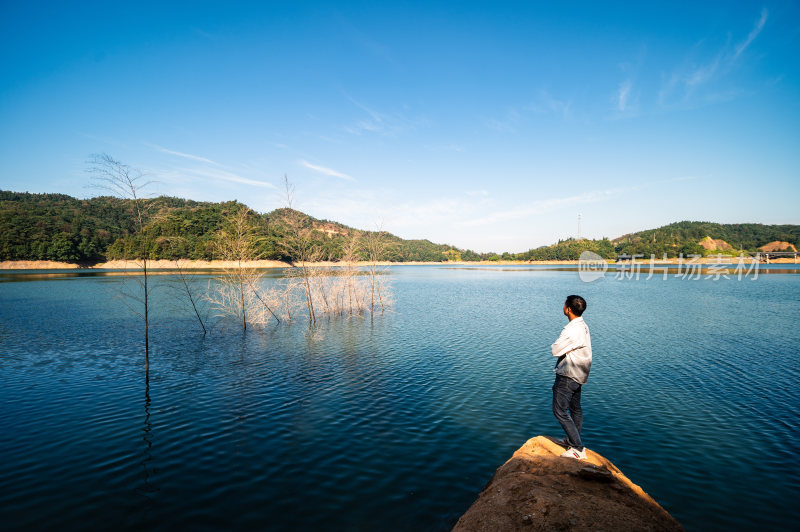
(679, 238)
(744, 235)
(708, 236)
(59, 227)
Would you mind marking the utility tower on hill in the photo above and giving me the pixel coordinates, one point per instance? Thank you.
(579, 226)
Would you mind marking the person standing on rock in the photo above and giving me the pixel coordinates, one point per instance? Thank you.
(574, 351)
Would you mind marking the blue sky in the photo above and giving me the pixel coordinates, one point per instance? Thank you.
(486, 125)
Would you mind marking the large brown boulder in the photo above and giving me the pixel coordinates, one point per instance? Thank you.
(538, 490)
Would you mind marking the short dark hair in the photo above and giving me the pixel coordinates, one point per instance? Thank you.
(576, 304)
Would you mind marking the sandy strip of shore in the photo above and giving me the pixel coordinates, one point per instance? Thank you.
(221, 265)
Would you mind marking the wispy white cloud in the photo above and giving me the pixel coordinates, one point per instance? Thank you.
(208, 171)
(374, 124)
(546, 103)
(388, 124)
(330, 139)
(326, 171)
(623, 93)
(437, 217)
(377, 117)
(686, 81)
(518, 116)
(223, 175)
(433, 217)
(507, 124)
(366, 125)
(539, 207)
(703, 73)
(460, 218)
(742, 46)
(181, 154)
(668, 85)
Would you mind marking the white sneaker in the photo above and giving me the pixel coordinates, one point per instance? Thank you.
(572, 452)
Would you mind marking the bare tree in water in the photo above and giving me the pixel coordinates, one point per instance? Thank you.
(298, 243)
(351, 296)
(332, 290)
(376, 246)
(186, 287)
(128, 183)
(239, 292)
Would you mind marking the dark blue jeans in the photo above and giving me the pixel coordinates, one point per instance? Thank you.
(567, 396)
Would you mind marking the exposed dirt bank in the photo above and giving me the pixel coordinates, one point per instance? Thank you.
(219, 264)
(712, 244)
(778, 245)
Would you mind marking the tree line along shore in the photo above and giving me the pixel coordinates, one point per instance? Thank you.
(37, 230)
(199, 265)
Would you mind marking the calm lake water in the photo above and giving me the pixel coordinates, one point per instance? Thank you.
(396, 423)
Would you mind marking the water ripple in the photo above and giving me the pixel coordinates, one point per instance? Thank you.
(395, 423)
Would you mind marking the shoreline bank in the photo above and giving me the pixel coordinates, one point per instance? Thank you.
(265, 264)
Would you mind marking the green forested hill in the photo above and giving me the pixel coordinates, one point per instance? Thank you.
(685, 235)
(61, 228)
(570, 249)
(672, 240)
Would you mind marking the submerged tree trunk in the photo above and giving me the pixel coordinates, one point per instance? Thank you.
(146, 319)
(189, 294)
(241, 297)
(127, 183)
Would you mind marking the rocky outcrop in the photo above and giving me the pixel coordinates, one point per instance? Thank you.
(538, 490)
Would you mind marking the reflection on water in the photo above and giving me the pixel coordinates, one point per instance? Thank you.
(396, 422)
(670, 269)
(8, 276)
(147, 489)
(11, 276)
